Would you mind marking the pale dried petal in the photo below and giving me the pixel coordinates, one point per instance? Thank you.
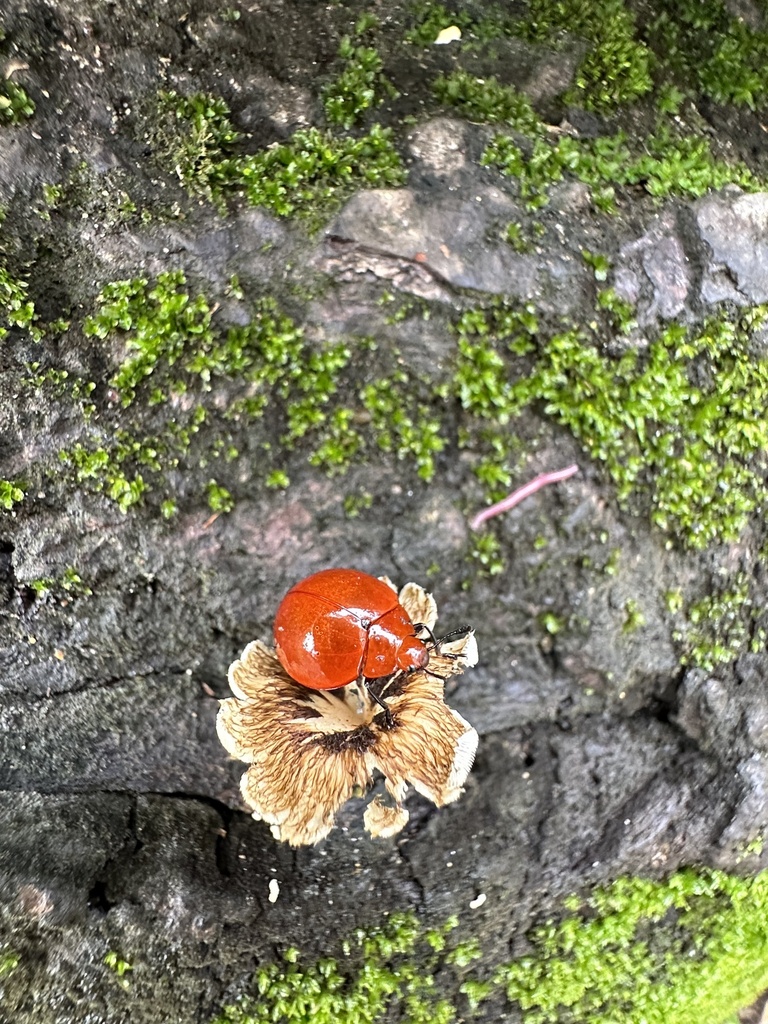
(304, 746)
(453, 656)
(419, 605)
(448, 35)
(384, 821)
(430, 746)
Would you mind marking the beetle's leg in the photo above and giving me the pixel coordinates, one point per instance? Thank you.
(388, 719)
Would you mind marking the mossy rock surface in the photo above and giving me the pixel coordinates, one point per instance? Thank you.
(285, 286)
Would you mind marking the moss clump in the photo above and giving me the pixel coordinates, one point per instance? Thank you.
(681, 427)
(193, 135)
(70, 582)
(401, 422)
(487, 100)
(692, 949)
(15, 104)
(176, 348)
(615, 70)
(16, 309)
(308, 175)
(9, 961)
(702, 42)
(312, 173)
(10, 494)
(664, 164)
(360, 84)
(617, 67)
(329, 992)
(718, 627)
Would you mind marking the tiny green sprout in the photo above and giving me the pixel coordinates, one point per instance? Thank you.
(291, 955)
(168, 508)
(117, 964)
(9, 961)
(755, 846)
(515, 235)
(486, 551)
(674, 601)
(234, 288)
(278, 479)
(552, 623)
(600, 264)
(15, 105)
(633, 617)
(219, 498)
(355, 504)
(10, 494)
(52, 195)
(540, 543)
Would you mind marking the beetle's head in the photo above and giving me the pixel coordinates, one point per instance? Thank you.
(412, 655)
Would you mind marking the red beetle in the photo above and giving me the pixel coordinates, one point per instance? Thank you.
(339, 626)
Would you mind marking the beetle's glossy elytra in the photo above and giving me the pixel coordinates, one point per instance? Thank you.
(341, 625)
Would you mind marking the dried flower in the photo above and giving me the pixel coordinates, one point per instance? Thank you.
(309, 751)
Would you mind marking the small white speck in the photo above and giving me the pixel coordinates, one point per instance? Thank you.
(627, 821)
(274, 890)
(622, 695)
(478, 901)
(526, 775)
(595, 863)
(449, 863)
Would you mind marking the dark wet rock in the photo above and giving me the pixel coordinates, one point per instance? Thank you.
(121, 827)
(449, 238)
(734, 228)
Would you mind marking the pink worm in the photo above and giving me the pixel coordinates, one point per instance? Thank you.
(521, 494)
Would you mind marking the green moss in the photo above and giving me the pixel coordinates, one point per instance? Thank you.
(314, 172)
(192, 135)
(16, 309)
(309, 175)
(219, 498)
(487, 100)
(15, 104)
(633, 617)
(278, 479)
(9, 961)
(680, 427)
(10, 494)
(703, 43)
(617, 67)
(356, 504)
(615, 70)
(354, 91)
(70, 582)
(691, 949)
(382, 972)
(402, 424)
(664, 164)
(718, 626)
(174, 347)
